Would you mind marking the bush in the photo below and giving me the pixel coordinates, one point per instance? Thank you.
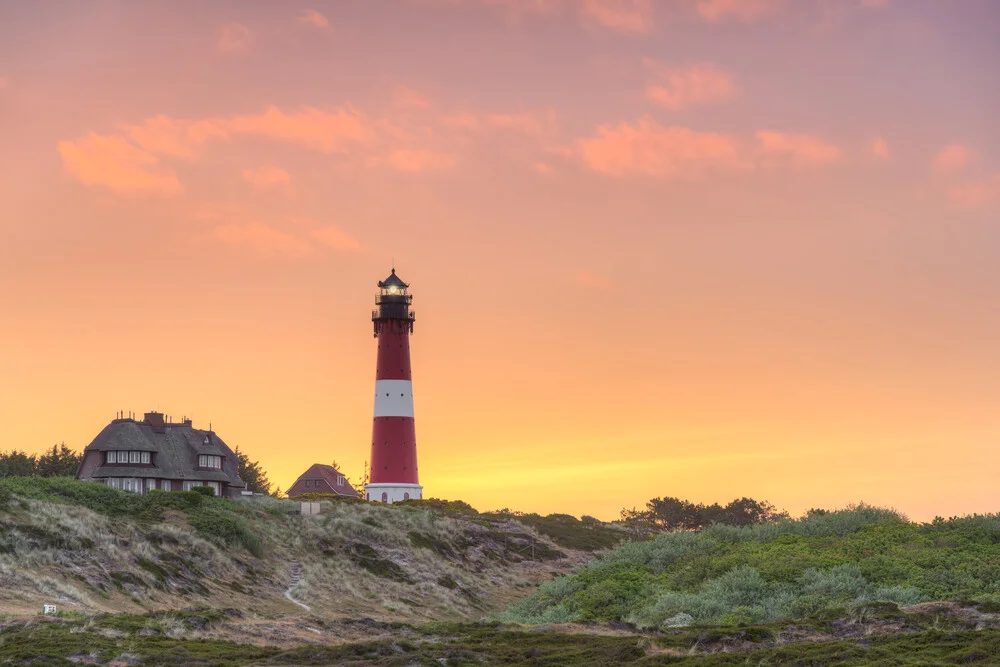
(204, 490)
(825, 561)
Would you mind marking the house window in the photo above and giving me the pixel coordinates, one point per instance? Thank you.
(119, 456)
(209, 461)
(340, 480)
(188, 485)
(406, 496)
(385, 497)
(125, 484)
(308, 483)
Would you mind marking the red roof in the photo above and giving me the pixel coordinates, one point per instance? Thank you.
(322, 478)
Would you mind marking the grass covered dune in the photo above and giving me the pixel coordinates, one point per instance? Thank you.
(820, 565)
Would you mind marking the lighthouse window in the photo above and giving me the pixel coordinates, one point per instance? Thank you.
(406, 496)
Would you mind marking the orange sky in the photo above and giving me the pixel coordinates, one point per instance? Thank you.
(702, 248)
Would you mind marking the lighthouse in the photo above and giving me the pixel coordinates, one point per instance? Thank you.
(393, 468)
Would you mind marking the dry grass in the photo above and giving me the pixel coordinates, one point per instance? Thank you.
(357, 560)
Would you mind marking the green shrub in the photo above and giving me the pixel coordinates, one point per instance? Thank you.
(204, 490)
(822, 562)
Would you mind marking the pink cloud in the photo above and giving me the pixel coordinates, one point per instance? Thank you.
(407, 98)
(326, 131)
(650, 149)
(416, 160)
(313, 18)
(267, 177)
(335, 238)
(234, 39)
(176, 138)
(624, 16)
(978, 193)
(744, 10)
(797, 149)
(116, 164)
(687, 86)
(263, 240)
(531, 124)
(543, 168)
(879, 148)
(953, 158)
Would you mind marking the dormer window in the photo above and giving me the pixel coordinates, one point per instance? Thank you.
(209, 461)
(120, 456)
(340, 480)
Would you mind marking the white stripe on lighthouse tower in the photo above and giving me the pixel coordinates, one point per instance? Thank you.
(393, 398)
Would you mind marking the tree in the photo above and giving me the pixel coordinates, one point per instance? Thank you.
(60, 461)
(675, 514)
(747, 511)
(364, 483)
(252, 474)
(17, 464)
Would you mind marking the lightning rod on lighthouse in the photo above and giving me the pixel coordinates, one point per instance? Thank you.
(393, 468)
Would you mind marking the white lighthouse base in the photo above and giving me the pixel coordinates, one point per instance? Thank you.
(393, 493)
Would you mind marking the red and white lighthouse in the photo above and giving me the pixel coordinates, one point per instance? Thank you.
(393, 468)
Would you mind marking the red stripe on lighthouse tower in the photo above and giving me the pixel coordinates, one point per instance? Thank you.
(393, 470)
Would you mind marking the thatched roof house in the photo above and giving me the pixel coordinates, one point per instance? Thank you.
(153, 453)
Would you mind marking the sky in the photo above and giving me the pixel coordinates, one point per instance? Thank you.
(693, 248)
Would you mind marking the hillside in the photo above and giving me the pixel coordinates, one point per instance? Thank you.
(90, 548)
(823, 564)
(184, 579)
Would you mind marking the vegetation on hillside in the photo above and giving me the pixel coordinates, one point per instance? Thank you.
(57, 462)
(253, 474)
(208, 638)
(823, 563)
(213, 518)
(665, 514)
(107, 549)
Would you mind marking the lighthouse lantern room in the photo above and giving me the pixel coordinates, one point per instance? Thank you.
(393, 468)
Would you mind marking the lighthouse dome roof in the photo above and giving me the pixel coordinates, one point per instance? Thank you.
(392, 281)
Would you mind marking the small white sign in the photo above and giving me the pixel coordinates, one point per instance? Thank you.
(49, 609)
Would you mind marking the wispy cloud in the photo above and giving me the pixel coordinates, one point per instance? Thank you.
(263, 240)
(952, 158)
(977, 193)
(742, 10)
(268, 177)
(416, 160)
(650, 149)
(234, 39)
(291, 238)
(174, 137)
(404, 97)
(116, 164)
(879, 148)
(331, 236)
(313, 18)
(326, 131)
(796, 149)
(623, 16)
(682, 87)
